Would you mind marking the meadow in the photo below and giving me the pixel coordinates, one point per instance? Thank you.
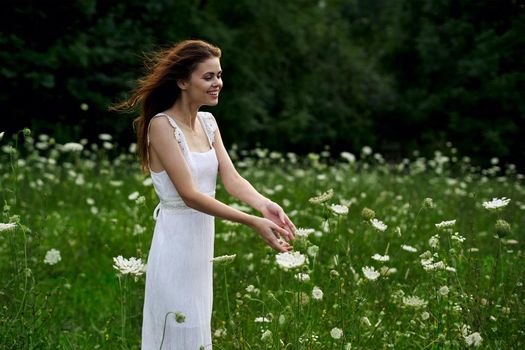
(421, 253)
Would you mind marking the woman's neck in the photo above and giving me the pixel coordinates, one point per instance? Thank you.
(185, 114)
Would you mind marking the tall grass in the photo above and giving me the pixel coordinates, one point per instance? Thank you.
(93, 204)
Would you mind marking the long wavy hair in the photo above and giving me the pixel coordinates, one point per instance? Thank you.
(157, 90)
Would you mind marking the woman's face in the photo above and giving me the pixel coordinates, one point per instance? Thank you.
(205, 83)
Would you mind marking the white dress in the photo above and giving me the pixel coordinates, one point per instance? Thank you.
(179, 275)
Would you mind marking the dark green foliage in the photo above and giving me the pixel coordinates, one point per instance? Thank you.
(395, 75)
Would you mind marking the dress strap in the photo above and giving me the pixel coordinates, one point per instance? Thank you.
(179, 136)
(210, 125)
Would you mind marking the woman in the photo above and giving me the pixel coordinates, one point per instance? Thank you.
(182, 149)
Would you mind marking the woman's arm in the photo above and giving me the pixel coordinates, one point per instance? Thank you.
(164, 144)
(238, 187)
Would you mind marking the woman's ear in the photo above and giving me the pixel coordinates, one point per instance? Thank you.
(182, 84)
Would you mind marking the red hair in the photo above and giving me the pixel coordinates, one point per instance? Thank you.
(158, 89)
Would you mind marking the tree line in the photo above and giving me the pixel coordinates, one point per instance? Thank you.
(397, 75)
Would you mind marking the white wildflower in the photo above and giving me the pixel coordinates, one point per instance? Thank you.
(52, 257)
(132, 266)
(428, 265)
(322, 197)
(336, 333)
(408, 248)
(425, 316)
(366, 150)
(348, 156)
(317, 293)
(220, 332)
(303, 232)
(72, 147)
(366, 321)
(339, 209)
(386, 270)
(414, 301)
(457, 237)
(223, 259)
(434, 242)
(262, 319)
(302, 277)
(496, 203)
(370, 273)
(473, 339)
(290, 260)
(312, 250)
(443, 290)
(105, 137)
(379, 257)
(138, 229)
(6, 227)
(378, 224)
(266, 336)
(446, 224)
(133, 196)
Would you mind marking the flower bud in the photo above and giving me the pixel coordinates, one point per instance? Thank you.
(502, 228)
(27, 132)
(180, 317)
(368, 214)
(428, 203)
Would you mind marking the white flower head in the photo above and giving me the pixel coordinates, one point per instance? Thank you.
(312, 250)
(370, 273)
(366, 150)
(322, 197)
(133, 196)
(302, 277)
(223, 259)
(379, 257)
(105, 137)
(266, 336)
(262, 319)
(434, 241)
(366, 321)
(446, 224)
(132, 266)
(303, 232)
(443, 290)
(52, 257)
(348, 156)
(473, 339)
(290, 260)
(339, 209)
(408, 248)
(317, 293)
(378, 224)
(414, 301)
(7, 227)
(336, 333)
(496, 203)
(72, 147)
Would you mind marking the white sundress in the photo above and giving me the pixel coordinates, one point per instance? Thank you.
(179, 273)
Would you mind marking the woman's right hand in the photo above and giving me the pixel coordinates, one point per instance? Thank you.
(270, 233)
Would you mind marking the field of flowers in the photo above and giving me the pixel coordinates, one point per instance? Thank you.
(417, 254)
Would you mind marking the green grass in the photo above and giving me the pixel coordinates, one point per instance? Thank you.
(78, 204)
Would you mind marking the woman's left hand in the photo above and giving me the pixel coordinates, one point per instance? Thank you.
(273, 212)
